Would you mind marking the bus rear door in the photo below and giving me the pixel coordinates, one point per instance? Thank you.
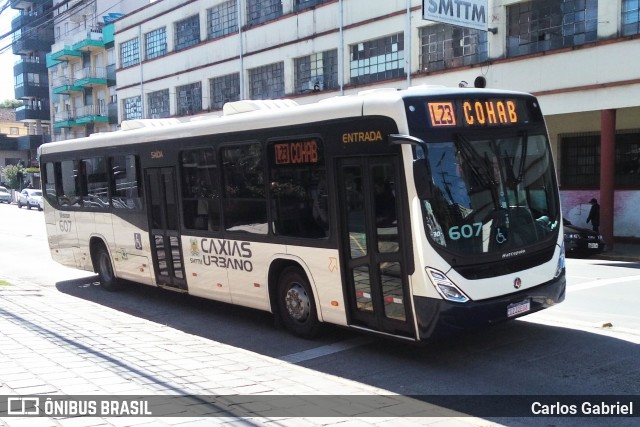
(164, 230)
(372, 245)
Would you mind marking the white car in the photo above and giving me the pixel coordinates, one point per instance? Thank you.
(5, 195)
(31, 198)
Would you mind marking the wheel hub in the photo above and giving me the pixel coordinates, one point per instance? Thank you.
(297, 302)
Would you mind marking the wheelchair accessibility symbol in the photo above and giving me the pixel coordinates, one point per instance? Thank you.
(500, 236)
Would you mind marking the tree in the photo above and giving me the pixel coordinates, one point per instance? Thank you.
(15, 176)
(10, 103)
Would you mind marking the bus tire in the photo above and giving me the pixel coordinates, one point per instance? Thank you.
(104, 268)
(296, 304)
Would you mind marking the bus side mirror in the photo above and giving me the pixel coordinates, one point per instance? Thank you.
(422, 177)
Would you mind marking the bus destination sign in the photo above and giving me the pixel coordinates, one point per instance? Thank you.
(476, 113)
(296, 152)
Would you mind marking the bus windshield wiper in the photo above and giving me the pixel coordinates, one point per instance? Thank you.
(481, 171)
(523, 157)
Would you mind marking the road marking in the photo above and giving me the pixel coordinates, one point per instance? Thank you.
(325, 350)
(603, 282)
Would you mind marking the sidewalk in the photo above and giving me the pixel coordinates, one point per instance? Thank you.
(621, 252)
(54, 344)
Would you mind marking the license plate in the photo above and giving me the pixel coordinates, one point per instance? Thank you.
(518, 308)
(592, 245)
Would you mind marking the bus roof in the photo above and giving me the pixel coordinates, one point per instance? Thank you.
(262, 114)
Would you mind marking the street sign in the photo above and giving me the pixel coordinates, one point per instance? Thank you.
(463, 13)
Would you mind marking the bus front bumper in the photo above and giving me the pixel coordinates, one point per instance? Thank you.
(438, 318)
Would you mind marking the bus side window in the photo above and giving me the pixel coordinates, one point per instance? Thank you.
(124, 181)
(70, 179)
(298, 188)
(51, 184)
(245, 205)
(200, 189)
(95, 183)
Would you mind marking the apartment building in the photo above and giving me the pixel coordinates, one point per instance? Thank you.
(81, 66)
(32, 37)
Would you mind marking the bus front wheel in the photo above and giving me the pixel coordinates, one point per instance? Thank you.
(105, 270)
(296, 303)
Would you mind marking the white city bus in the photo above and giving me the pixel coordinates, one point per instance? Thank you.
(412, 213)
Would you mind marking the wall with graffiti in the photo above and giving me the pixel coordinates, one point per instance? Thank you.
(626, 210)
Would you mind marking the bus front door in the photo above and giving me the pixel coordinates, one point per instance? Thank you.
(372, 246)
(164, 230)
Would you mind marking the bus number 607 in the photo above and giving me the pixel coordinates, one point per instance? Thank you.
(467, 231)
(65, 225)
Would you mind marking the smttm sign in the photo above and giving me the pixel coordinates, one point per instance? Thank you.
(463, 13)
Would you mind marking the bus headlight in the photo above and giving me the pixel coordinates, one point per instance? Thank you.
(445, 287)
(561, 262)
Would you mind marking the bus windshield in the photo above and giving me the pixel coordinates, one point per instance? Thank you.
(489, 194)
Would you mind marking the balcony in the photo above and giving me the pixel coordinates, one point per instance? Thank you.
(32, 142)
(64, 119)
(31, 90)
(65, 85)
(29, 65)
(92, 42)
(25, 4)
(32, 113)
(32, 43)
(65, 54)
(89, 77)
(91, 114)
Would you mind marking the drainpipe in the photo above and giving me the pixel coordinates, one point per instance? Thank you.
(140, 40)
(341, 48)
(240, 24)
(407, 44)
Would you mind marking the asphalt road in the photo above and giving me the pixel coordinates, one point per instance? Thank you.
(588, 345)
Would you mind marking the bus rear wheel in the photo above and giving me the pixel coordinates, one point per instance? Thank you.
(103, 266)
(296, 303)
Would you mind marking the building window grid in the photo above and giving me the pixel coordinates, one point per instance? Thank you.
(189, 99)
(158, 104)
(630, 17)
(187, 32)
(377, 60)
(259, 11)
(542, 25)
(446, 46)
(224, 89)
(132, 108)
(580, 160)
(222, 20)
(130, 53)
(267, 82)
(627, 166)
(306, 4)
(155, 43)
(316, 72)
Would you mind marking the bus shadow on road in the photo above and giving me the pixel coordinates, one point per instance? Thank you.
(242, 327)
(509, 359)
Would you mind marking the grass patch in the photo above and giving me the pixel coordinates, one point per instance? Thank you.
(4, 283)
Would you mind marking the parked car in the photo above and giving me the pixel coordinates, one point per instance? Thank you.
(581, 242)
(5, 195)
(31, 198)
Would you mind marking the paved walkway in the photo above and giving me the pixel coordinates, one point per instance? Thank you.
(53, 344)
(622, 252)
